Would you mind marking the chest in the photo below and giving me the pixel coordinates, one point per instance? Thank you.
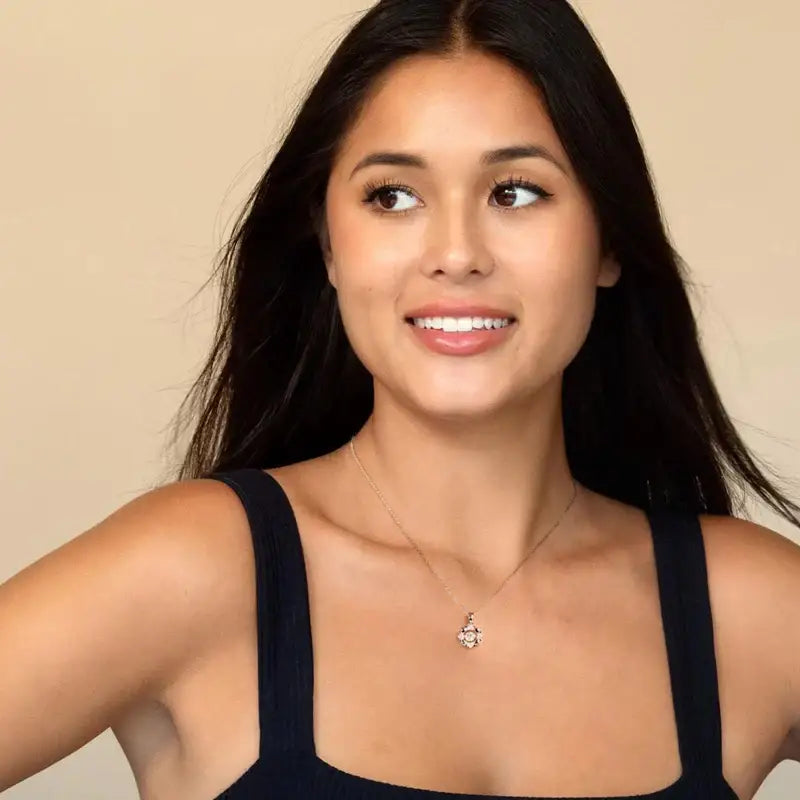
(569, 694)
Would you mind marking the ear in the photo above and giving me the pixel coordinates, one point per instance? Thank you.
(609, 271)
(321, 228)
(330, 266)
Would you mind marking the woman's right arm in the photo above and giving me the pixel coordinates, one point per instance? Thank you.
(110, 618)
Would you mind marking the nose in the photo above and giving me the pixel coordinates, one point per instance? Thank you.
(456, 248)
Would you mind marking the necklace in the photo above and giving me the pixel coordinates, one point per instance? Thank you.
(469, 635)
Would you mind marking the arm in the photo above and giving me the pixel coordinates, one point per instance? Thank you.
(758, 581)
(791, 746)
(112, 617)
(782, 602)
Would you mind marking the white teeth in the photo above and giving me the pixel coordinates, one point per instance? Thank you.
(461, 324)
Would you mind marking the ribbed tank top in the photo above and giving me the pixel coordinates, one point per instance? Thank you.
(288, 766)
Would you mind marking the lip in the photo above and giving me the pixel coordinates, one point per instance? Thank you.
(461, 343)
(452, 309)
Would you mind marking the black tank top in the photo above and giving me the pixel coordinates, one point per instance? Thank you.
(288, 767)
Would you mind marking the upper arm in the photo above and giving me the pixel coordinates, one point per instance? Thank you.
(791, 586)
(787, 611)
(112, 616)
(761, 570)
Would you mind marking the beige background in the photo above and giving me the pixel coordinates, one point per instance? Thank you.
(132, 131)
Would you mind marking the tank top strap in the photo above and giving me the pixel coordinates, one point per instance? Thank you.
(688, 629)
(285, 675)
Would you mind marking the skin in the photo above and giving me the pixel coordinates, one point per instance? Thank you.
(445, 427)
(470, 454)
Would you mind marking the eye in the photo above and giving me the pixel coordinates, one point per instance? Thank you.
(387, 188)
(513, 186)
(372, 191)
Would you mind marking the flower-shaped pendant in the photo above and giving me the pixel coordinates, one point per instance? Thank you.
(470, 636)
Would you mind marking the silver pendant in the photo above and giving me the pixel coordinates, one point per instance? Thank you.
(470, 635)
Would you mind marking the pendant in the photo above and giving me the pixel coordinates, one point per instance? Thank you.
(470, 636)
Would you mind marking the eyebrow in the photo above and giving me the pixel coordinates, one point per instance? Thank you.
(511, 153)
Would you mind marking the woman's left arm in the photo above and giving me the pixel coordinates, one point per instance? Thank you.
(754, 579)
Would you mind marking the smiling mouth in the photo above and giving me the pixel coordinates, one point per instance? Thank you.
(465, 324)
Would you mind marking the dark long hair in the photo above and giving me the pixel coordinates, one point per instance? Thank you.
(643, 420)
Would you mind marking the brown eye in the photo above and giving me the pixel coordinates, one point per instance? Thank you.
(506, 195)
(508, 191)
(391, 194)
(388, 195)
(388, 191)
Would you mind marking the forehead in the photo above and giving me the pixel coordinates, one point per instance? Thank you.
(453, 107)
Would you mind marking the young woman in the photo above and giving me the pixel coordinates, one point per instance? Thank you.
(457, 518)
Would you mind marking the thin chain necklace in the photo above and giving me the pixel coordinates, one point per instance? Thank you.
(469, 635)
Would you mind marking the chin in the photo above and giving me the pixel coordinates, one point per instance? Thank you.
(458, 405)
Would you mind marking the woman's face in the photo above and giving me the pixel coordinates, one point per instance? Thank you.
(461, 237)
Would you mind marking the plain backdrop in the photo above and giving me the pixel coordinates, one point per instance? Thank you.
(131, 133)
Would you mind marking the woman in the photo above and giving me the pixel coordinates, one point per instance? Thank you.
(455, 357)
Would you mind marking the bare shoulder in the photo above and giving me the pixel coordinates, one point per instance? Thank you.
(754, 567)
(754, 579)
(193, 537)
(201, 533)
(101, 624)
(748, 556)
(197, 541)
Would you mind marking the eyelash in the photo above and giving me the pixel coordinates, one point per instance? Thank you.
(373, 189)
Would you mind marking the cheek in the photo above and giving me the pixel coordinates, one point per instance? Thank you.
(368, 279)
(367, 257)
(556, 275)
(367, 288)
(557, 259)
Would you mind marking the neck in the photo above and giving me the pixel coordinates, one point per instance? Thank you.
(481, 493)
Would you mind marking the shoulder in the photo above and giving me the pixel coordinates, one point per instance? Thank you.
(196, 535)
(754, 581)
(754, 565)
(181, 555)
(753, 557)
(191, 540)
(110, 619)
